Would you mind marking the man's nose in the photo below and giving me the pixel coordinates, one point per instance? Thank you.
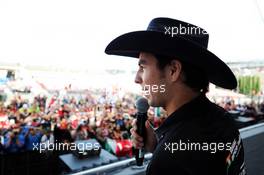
(138, 78)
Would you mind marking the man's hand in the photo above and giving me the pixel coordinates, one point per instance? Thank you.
(150, 140)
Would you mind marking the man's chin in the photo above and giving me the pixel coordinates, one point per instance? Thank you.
(151, 102)
(148, 97)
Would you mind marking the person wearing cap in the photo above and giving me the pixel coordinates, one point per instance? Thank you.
(197, 136)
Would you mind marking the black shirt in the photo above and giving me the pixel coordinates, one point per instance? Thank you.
(198, 139)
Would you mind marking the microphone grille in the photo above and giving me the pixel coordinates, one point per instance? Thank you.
(142, 105)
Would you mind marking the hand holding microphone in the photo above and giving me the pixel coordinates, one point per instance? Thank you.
(143, 136)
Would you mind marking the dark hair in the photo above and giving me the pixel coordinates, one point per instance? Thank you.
(125, 135)
(193, 77)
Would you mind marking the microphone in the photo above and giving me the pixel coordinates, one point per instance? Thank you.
(142, 108)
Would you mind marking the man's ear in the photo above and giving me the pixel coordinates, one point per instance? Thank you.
(175, 69)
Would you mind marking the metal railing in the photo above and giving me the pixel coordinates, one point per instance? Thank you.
(112, 166)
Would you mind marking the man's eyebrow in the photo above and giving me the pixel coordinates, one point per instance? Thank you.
(142, 62)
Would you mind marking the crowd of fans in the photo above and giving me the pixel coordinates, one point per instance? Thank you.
(69, 118)
(252, 109)
(65, 119)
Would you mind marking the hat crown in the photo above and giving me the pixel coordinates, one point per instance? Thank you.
(173, 27)
(170, 37)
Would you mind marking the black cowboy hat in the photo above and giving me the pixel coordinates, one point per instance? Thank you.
(170, 37)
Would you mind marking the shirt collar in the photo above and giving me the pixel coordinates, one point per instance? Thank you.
(186, 111)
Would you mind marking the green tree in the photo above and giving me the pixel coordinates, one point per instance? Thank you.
(249, 85)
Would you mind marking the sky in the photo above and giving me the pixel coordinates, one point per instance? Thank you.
(74, 33)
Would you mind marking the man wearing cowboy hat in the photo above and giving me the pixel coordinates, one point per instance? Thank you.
(197, 136)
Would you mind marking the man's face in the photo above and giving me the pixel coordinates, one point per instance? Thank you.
(152, 80)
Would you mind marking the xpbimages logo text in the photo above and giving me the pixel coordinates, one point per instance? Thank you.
(148, 89)
(196, 146)
(183, 30)
(81, 147)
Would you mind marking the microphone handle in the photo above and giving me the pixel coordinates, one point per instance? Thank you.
(141, 130)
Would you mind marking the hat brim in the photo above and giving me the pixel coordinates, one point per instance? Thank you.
(131, 44)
